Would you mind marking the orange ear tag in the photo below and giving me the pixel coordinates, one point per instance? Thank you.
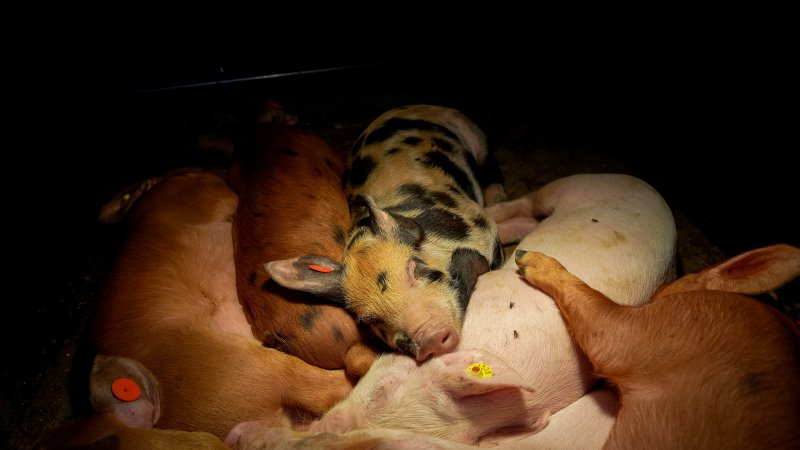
(125, 389)
(317, 268)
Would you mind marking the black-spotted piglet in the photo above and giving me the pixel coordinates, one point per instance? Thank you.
(422, 237)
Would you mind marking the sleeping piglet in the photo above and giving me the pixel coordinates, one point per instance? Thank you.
(516, 364)
(700, 366)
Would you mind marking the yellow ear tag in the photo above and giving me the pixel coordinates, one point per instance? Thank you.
(480, 370)
(126, 197)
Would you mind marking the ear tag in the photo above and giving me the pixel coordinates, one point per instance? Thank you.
(317, 268)
(125, 389)
(480, 370)
(126, 197)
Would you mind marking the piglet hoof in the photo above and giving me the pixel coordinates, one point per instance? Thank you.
(527, 263)
(541, 271)
(528, 260)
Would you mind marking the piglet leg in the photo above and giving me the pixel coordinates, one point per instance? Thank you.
(594, 320)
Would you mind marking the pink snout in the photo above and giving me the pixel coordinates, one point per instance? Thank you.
(438, 342)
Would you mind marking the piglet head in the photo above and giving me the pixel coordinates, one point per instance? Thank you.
(388, 287)
(386, 282)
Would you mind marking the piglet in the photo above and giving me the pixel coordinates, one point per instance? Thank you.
(170, 303)
(700, 366)
(516, 364)
(420, 235)
(584, 424)
(291, 202)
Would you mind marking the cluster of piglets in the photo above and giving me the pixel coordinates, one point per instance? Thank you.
(269, 307)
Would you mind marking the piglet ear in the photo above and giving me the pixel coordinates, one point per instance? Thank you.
(478, 372)
(126, 389)
(753, 272)
(115, 209)
(756, 271)
(310, 273)
(389, 225)
(479, 381)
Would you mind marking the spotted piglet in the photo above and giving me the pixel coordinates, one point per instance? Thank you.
(420, 237)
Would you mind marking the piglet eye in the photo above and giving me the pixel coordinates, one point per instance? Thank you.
(368, 319)
(379, 329)
(377, 325)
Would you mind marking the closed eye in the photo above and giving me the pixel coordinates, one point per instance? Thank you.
(369, 319)
(377, 325)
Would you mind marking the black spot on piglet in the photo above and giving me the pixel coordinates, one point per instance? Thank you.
(360, 169)
(466, 265)
(308, 318)
(443, 223)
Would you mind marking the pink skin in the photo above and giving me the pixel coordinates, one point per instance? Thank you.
(385, 375)
(375, 403)
(583, 424)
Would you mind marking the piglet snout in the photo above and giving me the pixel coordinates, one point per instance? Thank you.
(439, 342)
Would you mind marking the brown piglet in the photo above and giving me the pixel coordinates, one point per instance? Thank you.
(291, 201)
(702, 365)
(170, 303)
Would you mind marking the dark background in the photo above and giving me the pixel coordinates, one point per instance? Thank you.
(710, 123)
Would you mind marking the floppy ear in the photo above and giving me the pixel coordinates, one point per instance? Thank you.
(478, 381)
(756, 271)
(389, 225)
(125, 388)
(477, 372)
(310, 273)
(116, 208)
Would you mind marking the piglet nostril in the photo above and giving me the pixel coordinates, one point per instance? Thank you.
(441, 342)
(448, 342)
